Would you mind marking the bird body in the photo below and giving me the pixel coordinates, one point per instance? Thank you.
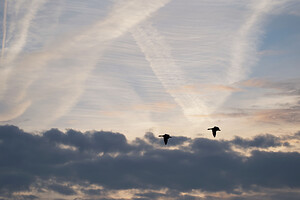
(214, 130)
(166, 137)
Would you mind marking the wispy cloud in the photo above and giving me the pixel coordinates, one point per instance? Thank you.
(218, 69)
(158, 53)
(288, 87)
(253, 83)
(3, 30)
(278, 116)
(20, 24)
(243, 51)
(182, 55)
(155, 107)
(67, 50)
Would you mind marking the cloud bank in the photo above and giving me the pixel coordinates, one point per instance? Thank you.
(93, 165)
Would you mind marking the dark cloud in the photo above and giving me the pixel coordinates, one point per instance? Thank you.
(28, 197)
(291, 195)
(271, 169)
(297, 135)
(93, 191)
(174, 141)
(169, 194)
(261, 141)
(90, 141)
(65, 190)
(62, 160)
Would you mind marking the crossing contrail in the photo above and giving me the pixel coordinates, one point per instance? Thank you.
(22, 25)
(244, 47)
(4, 30)
(123, 17)
(158, 54)
(18, 28)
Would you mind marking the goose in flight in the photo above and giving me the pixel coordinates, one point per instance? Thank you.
(214, 130)
(166, 137)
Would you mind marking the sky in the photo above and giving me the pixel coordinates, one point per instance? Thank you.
(87, 86)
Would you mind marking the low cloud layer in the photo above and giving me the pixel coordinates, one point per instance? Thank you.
(261, 141)
(70, 163)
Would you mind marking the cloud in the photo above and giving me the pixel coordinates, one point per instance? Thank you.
(253, 83)
(261, 141)
(285, 87)
(171, 52)
(59, 67)
(155, 107)
(176, 140)
(91, 141)
(187, 49)
(290, 115)
(158, 54)
(4, 30)
(10, 111)
(243, 50)
(65, 190)
(19, 24)
(273, 102)
(205, 88)
(100, 162)
(239, 114)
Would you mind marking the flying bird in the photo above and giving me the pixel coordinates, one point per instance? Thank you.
(166, 137)
(214, 130)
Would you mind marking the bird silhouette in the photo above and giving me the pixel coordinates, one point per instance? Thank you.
(214, 130)
(166, 137)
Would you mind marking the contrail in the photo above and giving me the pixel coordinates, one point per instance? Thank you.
(123, 17)
(22, 24)
(4, 30)
(158, 54)
(244, 48)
